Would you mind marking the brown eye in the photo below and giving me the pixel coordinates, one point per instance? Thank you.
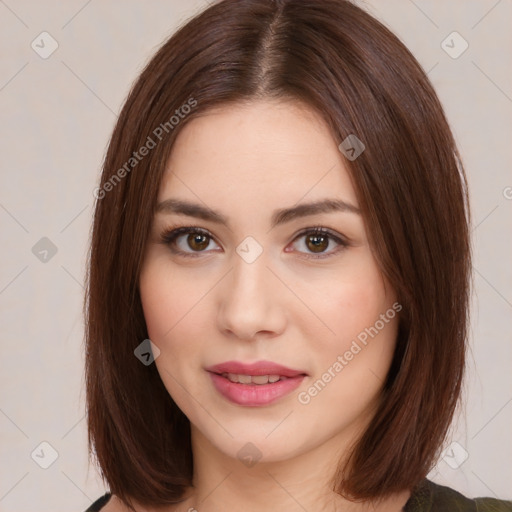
(198, 242)
(317, 243)
(188, 241)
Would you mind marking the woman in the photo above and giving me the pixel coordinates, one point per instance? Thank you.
(279, 272)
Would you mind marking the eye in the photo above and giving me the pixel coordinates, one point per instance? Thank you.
(191, 241)
(187, 241)
(316, 241)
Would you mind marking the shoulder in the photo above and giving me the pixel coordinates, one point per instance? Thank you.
(107, 503)
(432, 497)
(111, 503)
(493, 505)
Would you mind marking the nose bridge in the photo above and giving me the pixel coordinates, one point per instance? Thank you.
(248, 302)
(249, 280)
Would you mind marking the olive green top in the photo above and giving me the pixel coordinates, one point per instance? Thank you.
(427, 497)
(431, 497)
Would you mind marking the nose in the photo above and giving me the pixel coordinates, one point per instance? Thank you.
(249, 302)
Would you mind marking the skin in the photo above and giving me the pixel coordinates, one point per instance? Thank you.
(246, 161)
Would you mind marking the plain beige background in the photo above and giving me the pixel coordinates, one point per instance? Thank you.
(56, 118)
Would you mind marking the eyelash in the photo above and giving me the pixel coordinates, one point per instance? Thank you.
(168, 237)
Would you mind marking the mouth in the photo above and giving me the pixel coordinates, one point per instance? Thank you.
(257, 380)
(254, 384)
(257, 369)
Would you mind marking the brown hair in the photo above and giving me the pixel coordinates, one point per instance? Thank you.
(411, 189)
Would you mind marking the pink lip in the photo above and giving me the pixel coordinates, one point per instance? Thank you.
(258, 368)
(254, 394)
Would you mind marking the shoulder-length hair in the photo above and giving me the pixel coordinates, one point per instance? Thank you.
(411, 188)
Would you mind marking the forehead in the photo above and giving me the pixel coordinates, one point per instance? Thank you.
(263, 149)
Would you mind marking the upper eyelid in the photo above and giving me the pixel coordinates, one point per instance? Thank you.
(302, 232)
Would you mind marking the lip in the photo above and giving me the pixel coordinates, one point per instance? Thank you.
(255, 395)
(258, 368)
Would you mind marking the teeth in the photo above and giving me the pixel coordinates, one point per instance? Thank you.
(253, 379)
(243, 379)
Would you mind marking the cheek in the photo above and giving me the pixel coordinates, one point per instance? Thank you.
(168, 301)
(351, 366)
(358, 310)
(171, 310)
(354, 302)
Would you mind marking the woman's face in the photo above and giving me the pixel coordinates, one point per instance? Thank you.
(256, 283)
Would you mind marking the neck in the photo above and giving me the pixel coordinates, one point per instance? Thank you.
(298, 484)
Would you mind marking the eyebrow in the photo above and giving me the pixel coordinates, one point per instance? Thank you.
(281, 216)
